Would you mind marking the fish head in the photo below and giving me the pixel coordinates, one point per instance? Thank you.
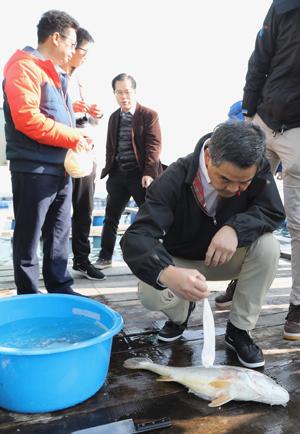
(268, 390)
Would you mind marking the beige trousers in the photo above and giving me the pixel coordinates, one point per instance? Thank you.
(255, 267)
(286, 147)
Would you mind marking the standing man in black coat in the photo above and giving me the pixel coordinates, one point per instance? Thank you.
(272, 100)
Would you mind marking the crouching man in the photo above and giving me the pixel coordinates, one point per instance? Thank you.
(210, 216)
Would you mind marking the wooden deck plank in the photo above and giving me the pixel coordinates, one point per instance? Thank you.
(137, 394)
(125, 387)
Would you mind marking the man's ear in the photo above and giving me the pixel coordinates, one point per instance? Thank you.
(54, 38)
(206, 156)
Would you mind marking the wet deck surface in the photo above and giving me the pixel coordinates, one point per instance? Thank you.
(137, 395)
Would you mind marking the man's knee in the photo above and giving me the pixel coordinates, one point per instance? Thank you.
(149, 296)
(266, 247)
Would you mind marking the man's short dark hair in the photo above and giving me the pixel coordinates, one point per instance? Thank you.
(83, 36)
(123, 77)
(54, 21)
(237, 142)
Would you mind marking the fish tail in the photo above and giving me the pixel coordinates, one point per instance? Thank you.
(138, 363)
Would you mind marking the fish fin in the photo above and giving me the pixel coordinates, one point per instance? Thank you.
(220, 384)
(138, 363)
(226, 397)
(165, 378)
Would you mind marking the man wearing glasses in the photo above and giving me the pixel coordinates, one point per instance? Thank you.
(87, 116)
(40, 127)
(133, 148)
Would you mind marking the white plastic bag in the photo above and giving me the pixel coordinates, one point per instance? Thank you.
(79, 164)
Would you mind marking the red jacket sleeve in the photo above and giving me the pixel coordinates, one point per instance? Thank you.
(23, 91)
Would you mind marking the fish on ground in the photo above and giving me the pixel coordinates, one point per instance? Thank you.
(218, 384)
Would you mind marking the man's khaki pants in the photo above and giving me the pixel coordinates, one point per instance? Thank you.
(286, 147)
(255, 267)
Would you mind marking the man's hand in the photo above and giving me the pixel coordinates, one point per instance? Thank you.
(248, 118)
(84, 144)
(222, 247)
(186, 284)
(95, 112)
(80, 107)
(146, 181)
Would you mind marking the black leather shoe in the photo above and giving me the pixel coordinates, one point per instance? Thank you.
(170, 331)
(249, 354)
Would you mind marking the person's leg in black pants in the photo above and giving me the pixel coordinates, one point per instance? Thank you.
(134, 185)
(117, 199)
(36, 199)
(121, 185)
(83, 204)
(56, 235)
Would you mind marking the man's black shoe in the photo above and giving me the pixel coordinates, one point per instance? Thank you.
(170, 331)
(69, 291)
(249, 354)
(88, 270)
(80, 295)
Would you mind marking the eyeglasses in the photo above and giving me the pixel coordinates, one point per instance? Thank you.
(73, 45)
(83, 49)
(126, 92)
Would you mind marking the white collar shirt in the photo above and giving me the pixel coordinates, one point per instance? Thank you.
(210, 193)
(132, 109)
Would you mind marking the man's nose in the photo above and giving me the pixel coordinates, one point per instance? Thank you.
(233, 188)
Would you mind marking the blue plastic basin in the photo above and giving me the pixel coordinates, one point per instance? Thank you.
(37, 380)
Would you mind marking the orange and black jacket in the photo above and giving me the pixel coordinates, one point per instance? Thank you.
(39, 119)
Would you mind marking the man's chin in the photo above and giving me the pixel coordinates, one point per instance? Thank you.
(226, 194)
